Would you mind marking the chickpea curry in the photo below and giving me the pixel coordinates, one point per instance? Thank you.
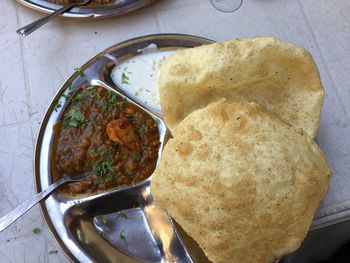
(102, 133)
(92, 3)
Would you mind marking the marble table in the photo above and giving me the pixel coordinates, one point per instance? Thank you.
(33, 68)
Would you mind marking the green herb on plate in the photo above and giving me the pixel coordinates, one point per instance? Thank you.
(137, 157)
(104, 171)
(57, 106)
(80, 71)
(36, 230)
(143, 128)
(102, 168)
(71, 87)
(123, 215)
(122, 237)
(125, 79)
(67, 96)
(73, 118)
(112, 98)
(78, 97)
(92, 91)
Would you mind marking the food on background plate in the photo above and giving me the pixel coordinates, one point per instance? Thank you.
(92, 3)
(280, 76)
(241, 182)
(101, 132)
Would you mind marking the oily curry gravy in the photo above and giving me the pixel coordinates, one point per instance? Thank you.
(101, 132)
(92, 3)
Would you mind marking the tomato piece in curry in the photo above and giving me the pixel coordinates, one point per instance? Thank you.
(102, 133)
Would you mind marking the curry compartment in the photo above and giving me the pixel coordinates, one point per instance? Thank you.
(92, 3)
(101, 132)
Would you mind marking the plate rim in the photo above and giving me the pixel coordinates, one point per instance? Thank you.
(46, 9)
(45, 118)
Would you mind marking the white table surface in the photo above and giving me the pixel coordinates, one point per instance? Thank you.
(33, 68)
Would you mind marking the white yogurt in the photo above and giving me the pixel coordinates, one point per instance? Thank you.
(137, 77)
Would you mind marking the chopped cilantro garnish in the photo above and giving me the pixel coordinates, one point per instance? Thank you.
(36, 230)
(92, 91)
(123, 215)
(80, 71)
(143, 128)
(125, 78)
(122, 236)
(112, 102)
(102, 168)
(67, 96)
(137, 157)
(112, 98)
(58, 105)
(73, 118)
(104, 171)
(79, 97)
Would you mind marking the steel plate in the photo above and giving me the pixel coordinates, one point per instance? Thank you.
(119, 8)
(88, 228)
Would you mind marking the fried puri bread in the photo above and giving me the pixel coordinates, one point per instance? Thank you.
(241, 182)
(280, 76)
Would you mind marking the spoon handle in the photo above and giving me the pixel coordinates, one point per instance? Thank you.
(26, 30)
(11, 217)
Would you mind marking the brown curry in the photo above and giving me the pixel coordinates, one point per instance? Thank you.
(101, 132)
(92, 3)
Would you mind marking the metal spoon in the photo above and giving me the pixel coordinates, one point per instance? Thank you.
(26, 30)
(11, 217)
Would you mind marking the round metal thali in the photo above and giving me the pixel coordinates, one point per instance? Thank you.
(123, 224)
(119, 7)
